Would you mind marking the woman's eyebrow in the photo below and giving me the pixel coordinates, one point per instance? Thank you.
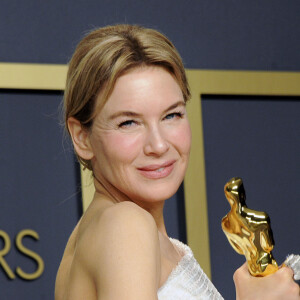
(124, 113)
(175, 105)
(136, 115)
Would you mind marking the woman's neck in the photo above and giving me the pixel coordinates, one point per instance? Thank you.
(115, 196)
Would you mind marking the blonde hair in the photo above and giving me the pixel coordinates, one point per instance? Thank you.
(103, 56)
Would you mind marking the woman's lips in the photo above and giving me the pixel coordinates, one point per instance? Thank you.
(157, 171)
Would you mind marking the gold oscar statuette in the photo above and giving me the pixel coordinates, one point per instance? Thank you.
(248, 231)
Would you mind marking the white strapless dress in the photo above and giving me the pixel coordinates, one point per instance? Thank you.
(188, 281)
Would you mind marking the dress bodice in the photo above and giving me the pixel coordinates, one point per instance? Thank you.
(187, 281)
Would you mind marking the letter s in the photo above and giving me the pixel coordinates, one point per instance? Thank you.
(33, 255)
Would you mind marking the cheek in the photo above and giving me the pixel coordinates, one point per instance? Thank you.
(121, 147)
(182, 138)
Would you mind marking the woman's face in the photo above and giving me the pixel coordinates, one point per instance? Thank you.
(141, 138)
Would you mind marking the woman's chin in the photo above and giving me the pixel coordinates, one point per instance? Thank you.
(155, 195)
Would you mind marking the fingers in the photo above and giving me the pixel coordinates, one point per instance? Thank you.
(286, 278)
(286, 272)
(241, 273)
(277, 286)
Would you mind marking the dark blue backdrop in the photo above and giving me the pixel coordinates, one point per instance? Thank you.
(39, 188)
(257, 139)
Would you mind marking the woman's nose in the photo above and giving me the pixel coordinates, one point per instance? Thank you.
(155, 144)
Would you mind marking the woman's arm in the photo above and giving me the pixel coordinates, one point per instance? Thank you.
(123, 255)
(278, 286)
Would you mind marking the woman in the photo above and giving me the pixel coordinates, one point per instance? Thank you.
(125, 111)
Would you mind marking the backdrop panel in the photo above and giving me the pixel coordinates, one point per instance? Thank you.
(256, 138)
(39, 180)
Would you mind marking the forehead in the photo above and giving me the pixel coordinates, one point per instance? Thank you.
(143, 87)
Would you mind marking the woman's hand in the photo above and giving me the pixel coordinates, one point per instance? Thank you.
(278, 286)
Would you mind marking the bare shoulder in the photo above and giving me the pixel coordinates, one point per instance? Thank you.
(119, 221)
(120, 247)
(127, 209)
(122, 223)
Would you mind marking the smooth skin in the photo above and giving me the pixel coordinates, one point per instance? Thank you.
(139, 147)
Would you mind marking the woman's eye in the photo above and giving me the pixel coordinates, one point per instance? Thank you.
(127, 123)
(173, 115)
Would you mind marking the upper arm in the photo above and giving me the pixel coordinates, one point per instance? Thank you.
(124, 256)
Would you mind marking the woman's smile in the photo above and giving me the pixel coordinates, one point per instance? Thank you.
(157, 171)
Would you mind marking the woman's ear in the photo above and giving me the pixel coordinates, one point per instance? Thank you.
(80, 138)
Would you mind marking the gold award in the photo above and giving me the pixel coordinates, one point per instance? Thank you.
(248, 231)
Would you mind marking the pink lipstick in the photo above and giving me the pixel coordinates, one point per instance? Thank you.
(157, 171)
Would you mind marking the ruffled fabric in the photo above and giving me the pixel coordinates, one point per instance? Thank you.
(187, 281)
(293, 261)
